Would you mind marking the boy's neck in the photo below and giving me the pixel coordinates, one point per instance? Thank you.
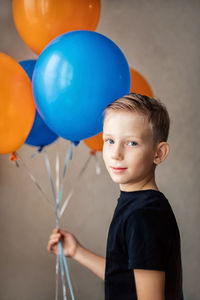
(146, 184)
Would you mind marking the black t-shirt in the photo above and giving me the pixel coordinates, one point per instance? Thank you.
(143, 234)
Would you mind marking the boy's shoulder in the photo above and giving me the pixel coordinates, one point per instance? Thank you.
(144, 206)
(142, 202)
(148, 208)
(156, 216)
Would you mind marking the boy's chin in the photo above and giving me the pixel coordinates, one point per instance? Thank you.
(118, 180)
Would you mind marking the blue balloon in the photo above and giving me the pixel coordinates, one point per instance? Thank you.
(40, 134)
(76, 76)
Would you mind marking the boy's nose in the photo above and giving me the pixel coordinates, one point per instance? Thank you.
(117, 153)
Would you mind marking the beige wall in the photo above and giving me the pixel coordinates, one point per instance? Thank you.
(161, 40)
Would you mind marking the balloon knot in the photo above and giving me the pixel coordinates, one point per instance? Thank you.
(93, 152)
(76, 143)
(13, 157)
(40, 148)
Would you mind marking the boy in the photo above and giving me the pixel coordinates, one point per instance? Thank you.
(143, 256)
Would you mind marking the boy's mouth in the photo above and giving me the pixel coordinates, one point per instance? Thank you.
(118, 170)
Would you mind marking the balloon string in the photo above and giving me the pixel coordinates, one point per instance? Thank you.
(37, 152)
(66, 203)
(75, 183)
(57, 168)
(68, 156)
(62, 271)
(57, 276)
(67, 273)
(84, 166)
(49, 174)
(35, 181)
(55, 196)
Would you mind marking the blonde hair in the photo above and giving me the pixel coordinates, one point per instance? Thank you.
(153, 109)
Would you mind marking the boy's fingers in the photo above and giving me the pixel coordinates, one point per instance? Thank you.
(54, 239)
(63, 231)
(49, 247)
(51, 244)
(55, 236)
(58, 230)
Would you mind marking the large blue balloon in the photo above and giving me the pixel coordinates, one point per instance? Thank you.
(76, 76)
(40, 134)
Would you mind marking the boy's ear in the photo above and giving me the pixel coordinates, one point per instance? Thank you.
(161, 152)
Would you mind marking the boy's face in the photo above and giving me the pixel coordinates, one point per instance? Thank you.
(128, 150)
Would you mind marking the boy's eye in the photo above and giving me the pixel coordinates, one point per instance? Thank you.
(109, 141)
(132, 143)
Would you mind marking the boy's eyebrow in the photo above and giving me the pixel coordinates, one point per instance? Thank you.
(126, 136)
(134, 136)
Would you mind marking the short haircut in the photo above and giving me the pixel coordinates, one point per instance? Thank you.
(152, 108)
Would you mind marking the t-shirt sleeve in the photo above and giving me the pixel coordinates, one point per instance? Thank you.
(146, 242)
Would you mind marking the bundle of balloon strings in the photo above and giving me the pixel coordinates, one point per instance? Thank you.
(61, 260)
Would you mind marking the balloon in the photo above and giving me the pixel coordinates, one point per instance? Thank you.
(38, 22)
(139, 84)
(28, 66)
(17, 108)
(40, 134)
(75, 78)
(95, 143)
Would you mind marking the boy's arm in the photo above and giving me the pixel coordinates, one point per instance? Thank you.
(90, 260)
(150, 284)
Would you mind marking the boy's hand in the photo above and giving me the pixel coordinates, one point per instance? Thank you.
(75, 250)
(68, 240)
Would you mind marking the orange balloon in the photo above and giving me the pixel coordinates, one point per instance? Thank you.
(95, 143)
(40, 21)
(139, 84)
(17, 107)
